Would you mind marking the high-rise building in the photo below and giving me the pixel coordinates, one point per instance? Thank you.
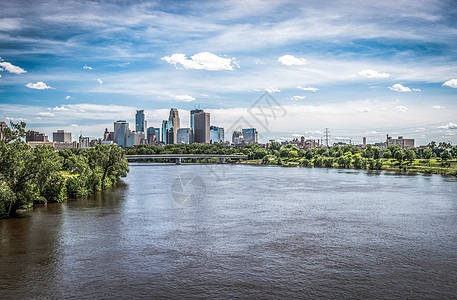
(108, 135)
(192, 113)
(35, 136)
(250, 135)
(237, 137)
(184, 136)
(201, 129)
(140, 122)
(166, 127)
(121, 133)
(216, 134)
(222, 134)
(174, 119)
(61, 136)
(153, 135)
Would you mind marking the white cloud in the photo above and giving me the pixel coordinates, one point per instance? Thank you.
(290, 60)
(74, 125)
(184, 98)
(86, 67)
(58, 108)
(438, 107)
(416, 90)
(362, 109)
(6, 66)
(449, 126)
(272, 90)
(38, 86)
(368, 73)
(99, 81)
(201, 61)
(400, 88)
(451, 83)
(312, 89)
(67, 97)
(16, 119)
(45, 114)
(296, 98)
(401, 108)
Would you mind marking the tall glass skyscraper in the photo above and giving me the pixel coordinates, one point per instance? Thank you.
(192, 112)
(250, 135)
(140, 122)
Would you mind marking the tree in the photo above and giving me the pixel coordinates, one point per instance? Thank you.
(444, 145)
(111, 160)
(387, 154)
(368, 152)
(431, 145)
(376, 153)
(445, 156)
(454, 151)
(398, 155)
(275, 146)
(410, 155)
(427, 153)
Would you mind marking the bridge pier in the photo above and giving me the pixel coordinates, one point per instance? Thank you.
(222, 160)
(178, 160)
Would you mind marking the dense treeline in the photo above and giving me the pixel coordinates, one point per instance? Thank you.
(31, 176)
(343, 157)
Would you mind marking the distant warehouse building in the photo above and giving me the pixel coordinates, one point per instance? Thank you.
(403, 143)
(61, 136)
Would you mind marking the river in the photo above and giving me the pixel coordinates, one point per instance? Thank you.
(220, 231)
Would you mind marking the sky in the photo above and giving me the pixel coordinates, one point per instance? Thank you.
(287, 68)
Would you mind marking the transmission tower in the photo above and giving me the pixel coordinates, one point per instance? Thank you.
(326, 137)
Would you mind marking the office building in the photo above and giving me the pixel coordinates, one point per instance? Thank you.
(174, 119)
(184, 136)
(140, 122)
(192, 112)
(86, 142)
(237, 137)
(166, 127)
(61, 136)
(250, 135)
(121, 133)
(403, 143)
(108, 135)
(35, 136)
(201, 129)
(216, 134)
(153, 135)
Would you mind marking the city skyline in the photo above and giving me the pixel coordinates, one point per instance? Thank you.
(364, 70)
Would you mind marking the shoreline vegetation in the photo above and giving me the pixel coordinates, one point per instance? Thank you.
(342, 157)
(42, 175)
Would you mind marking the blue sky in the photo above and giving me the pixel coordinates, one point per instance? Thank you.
(359, 68)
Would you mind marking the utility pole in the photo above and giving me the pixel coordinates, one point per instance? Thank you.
(326, 137)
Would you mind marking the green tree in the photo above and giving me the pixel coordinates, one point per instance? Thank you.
(431, 145)
(454, 151)
(427, 153)
(445, 156)
(410, 155)
(387, 154)
(275, 146)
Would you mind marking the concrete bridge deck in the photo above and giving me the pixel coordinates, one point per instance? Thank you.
(179, 157)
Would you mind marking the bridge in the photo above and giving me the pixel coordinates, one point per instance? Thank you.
(179, 157)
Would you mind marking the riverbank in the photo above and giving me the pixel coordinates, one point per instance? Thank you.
(430, 166)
